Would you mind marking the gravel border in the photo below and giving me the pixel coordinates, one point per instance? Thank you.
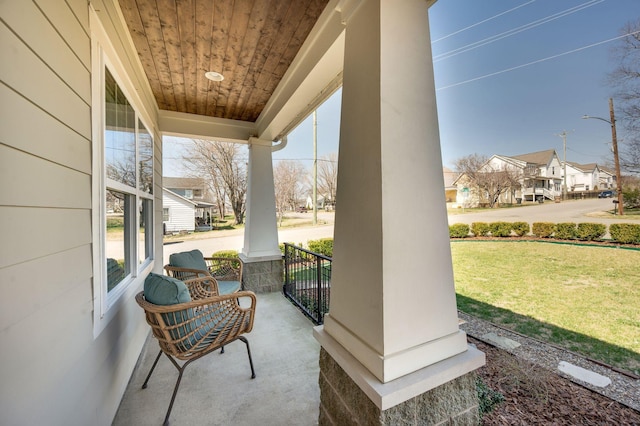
(623, 388)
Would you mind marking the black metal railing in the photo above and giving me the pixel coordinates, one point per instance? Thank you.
(307, 281)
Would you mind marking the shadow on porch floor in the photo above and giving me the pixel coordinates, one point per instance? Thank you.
(217, 389)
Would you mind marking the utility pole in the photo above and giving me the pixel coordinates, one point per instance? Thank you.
(315, 167)
(616, 160)
(563, 135)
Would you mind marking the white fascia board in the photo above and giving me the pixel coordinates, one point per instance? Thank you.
(314, 75)
(203, 127)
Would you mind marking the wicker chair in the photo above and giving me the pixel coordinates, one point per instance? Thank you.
(188, 331)
(226, 271)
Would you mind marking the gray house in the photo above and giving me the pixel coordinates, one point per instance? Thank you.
(88, 90)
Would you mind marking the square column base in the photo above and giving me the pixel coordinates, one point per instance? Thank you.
(262, 275)
(441, 393)
(343, 403)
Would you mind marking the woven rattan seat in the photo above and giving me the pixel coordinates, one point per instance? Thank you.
(226, 271)
(191, 330)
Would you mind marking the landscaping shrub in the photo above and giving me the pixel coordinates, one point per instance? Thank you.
(480, 229)
(591, 231)
(228, 254)
(458, 230)
(626, 233)
(322, 246)
(520, 228)
(566, 231)
(543, 229)
(500, 229)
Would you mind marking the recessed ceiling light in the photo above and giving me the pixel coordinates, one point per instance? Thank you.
(214, 76)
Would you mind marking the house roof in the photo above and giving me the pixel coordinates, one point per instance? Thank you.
(539, 158)
(183, 183)
(584, 167)
(179, 197)
(450, 177)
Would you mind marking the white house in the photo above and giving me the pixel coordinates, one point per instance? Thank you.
(89, 89)
(584, 177)
(536, 176)
(178, 213)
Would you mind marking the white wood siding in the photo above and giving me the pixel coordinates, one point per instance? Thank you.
(181, 213)
(52, 369)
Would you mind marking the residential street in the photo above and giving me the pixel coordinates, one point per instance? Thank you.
(569, 211)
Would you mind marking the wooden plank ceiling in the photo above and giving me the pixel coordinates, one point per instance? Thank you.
(250, 42)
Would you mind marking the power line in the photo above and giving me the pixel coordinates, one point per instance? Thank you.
(536, 61)
(483, 21)
(515, 31)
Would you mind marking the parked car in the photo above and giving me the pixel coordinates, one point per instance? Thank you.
(606, 194)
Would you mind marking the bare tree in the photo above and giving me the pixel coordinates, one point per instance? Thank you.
(223, 166)
(490, 181)
(288, 177)
(625, 80)
(328, 177)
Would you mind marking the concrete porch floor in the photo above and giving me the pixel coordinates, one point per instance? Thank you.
(217, 389)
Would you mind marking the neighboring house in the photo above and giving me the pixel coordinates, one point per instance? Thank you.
(178, 213)
(190, 188)
(538, 177)
(607, 179)
(583, 177)
(450, 189)
(194, 189)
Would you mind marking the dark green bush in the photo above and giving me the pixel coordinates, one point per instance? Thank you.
(543, 229)
(459, 230)
(480, 229)
(322, 246)
(500, 229)
(520, 228)
(591, 231)
(566, 231)
(626, 233)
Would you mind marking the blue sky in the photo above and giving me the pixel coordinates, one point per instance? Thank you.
(514, 95)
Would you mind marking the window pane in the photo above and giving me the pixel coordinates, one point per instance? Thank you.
(145, 157)
(145, 231)
(120, 141)
(118, 222)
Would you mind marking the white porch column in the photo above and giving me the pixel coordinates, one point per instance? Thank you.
(393, 305)
(260, 233)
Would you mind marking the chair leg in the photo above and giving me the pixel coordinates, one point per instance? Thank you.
(144, 385)
(246, 342)
(175, 391)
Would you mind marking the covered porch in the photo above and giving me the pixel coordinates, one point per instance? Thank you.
(218, 390)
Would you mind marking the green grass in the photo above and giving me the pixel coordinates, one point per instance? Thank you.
(585, 299)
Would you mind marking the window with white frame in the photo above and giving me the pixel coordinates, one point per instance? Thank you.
(122, 181)
(128, 188)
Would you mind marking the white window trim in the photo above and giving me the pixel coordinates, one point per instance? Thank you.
(106, 305)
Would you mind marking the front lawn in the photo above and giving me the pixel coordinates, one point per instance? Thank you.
(585, 299)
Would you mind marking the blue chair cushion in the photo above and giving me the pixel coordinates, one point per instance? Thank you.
(164, 290)
(228, 287)
(188, 259)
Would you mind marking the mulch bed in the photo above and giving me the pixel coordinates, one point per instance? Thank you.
(534, 395)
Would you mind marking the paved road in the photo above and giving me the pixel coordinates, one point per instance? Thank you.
(569, 211)
(234, 240)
